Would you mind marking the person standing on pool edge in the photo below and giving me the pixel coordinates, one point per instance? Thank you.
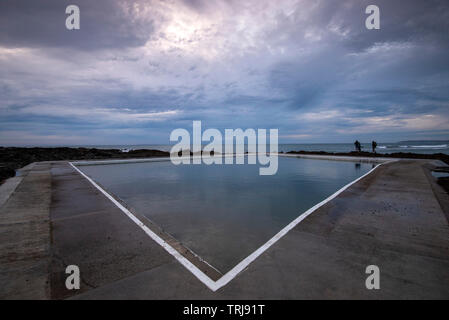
(374, 146)
(357, 146)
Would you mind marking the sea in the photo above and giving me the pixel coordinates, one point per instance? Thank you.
(423, 147)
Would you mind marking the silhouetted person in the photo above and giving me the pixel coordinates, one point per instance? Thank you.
(357, 145)
(374, 145)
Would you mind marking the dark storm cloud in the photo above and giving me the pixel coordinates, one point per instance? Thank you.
(411, 20)
(41, 23)
(138, 69)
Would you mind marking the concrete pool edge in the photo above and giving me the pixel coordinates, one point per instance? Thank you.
(304, 156)
(213, 273)
(214, 285)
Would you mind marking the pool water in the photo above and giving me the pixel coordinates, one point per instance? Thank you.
(224, 212)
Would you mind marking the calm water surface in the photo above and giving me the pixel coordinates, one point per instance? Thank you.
(224, 212)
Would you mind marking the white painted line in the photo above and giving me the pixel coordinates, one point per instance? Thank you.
(227, 155)
(186, 263)
(231, 274)
(141, 160)
(118, 161)
(337, 158)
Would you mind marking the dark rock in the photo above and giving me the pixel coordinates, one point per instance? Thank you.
(437, 156)
(12, 158)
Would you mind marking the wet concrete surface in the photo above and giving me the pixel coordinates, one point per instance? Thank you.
(91, 232)
(25, 237)
(391, 219)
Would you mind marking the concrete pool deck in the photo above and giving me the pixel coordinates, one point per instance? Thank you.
(393, 218)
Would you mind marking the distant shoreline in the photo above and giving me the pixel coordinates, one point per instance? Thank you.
(426, 147)
(13, 158)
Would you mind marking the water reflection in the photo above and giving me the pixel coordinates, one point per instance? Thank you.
(224, 212)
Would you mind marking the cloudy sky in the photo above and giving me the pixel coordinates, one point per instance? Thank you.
(138, 69)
